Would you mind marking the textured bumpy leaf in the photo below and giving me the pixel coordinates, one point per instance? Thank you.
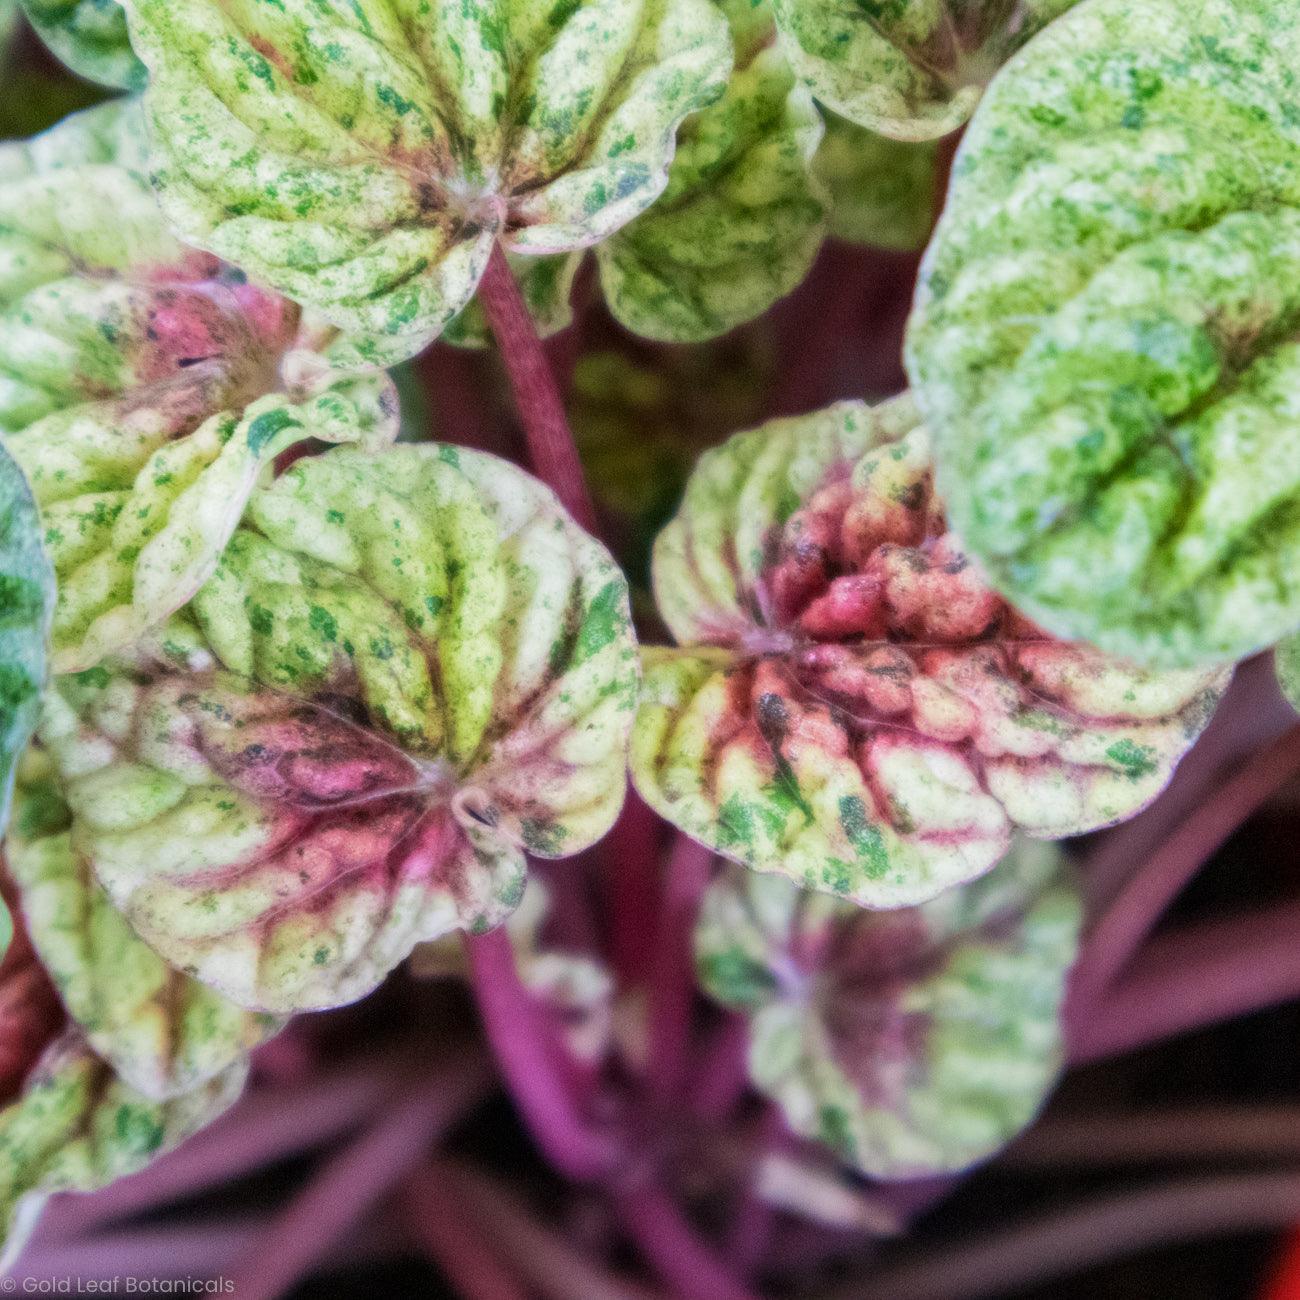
(742, 217)
(408, 668)
(1286, 656)
(1104, 337)
(76, 1127)
(882, 191)
(164, 1033)
(144, 388)
(363, 157)
(910, 69)
(913, 1041)
(90, 37)
(851, 706)
(26, 604)
(576, 987)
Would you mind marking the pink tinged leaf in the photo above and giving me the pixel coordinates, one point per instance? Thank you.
(878, 721)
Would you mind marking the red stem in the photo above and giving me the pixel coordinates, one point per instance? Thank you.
(550, 440)
(631, 855)
(721, 1075)
(531, 1059)
(672, 987)
(455, 1240)
(1120, 930)
(1195, 977)
(685, 1263)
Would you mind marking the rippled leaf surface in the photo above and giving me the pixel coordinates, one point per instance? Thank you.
(164, 1033)
(144, 388)
(90, 37)
(911, 1042)
(1103, 342)
(362, 158)
(742, 217)
(408, 669)
(882, 191)
(26, 602)
(850, 705)
(910, 69)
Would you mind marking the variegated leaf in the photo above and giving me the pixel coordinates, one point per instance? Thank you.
(1286, 655)
(911, 1042)
(851, 706)
(408, 668)
(90, 37)
(363, 158)
(546, 286)
(144, 388)
(910, 69)
(742, 217)
(164, 1033)
(882, 191)
(1103, 340)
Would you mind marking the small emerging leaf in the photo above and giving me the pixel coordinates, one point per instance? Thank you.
(911, 1042)
(409, 668)
(363, 158)
(882, 190)
(26, 604)
(1104, 338)
(851, 706)
(164, 1033)
(90, 37)
(913, 71)
(742, 218)
(144, 387)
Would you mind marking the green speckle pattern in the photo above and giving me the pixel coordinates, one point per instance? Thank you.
(910, 69)
(882, 191)
(164, 1033)
(144, 388)
(849, 704)
(90, 37)
(408, 668)
(26, 607)
(76, 1127)
(1104, 335)
(912, 1042)
(742, 218)
(362, 158)
(1286, 657)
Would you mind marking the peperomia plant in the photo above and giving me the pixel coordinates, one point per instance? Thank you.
(291, 692)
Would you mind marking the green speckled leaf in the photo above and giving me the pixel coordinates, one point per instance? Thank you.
(851, 706)
(90, 37)
(1104, 336)
(164, 1033)
(408, 669)
(76, 1127)
(910, 69)
(1286, 656)
(144, 387)
(882, 191)
(363, 157)
(545, 283)
(911, 1042)
(742, 218)
(26, 604)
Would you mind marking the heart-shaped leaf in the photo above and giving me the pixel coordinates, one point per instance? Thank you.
(1103, 341)
(144, 388)
(164, 1033)
(362, 158)
(912, 71)
(742, 218)
(911, 1042)
(90, 37)
(408, 668)
(26, 604)
(882, 191)
(852, 707)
